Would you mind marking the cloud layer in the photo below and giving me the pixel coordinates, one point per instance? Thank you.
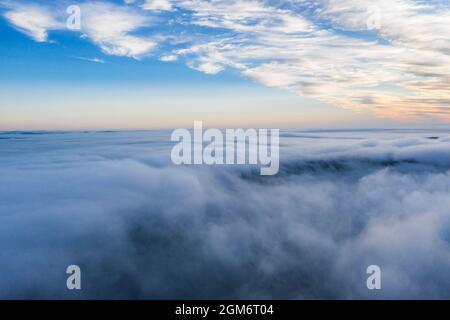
(140, 227)
(390, 56)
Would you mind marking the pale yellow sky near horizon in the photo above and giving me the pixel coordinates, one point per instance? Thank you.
(46, 107)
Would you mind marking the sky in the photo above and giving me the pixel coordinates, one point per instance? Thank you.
(142, 64)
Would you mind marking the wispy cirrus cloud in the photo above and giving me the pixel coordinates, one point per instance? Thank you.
(96, 60)
(399, 69)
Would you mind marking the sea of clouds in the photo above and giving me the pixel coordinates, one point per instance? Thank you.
(142, 228)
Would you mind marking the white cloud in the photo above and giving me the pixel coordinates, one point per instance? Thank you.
(414, 24)
(163, 5)
(244, 16)
(110, 27)
(209, 68)
(169, 58)
(33, 20)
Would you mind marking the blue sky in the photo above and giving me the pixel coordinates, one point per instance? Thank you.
(165, 63)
